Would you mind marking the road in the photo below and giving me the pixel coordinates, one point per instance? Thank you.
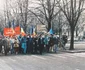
(47, 61)
(58, 61)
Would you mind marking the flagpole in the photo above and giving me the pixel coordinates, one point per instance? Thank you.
(51, 25)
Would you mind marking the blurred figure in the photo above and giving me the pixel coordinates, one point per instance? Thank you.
(61, 44)
(41, 44)
(35, 44)
(16, 45)
(56, 40)
(51, 43)
(64, 38)
(12, 44)
(19, 39)
(24, 44)
(30, 44)
(46, 43)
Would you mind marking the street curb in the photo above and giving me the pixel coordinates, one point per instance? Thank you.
(73, 51)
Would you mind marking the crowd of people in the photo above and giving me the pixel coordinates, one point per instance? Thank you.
(37, 44)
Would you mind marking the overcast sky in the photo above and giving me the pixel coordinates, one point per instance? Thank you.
(1, 5)
(2, 2)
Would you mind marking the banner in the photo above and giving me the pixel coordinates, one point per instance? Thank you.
(41, 29)
(8, 32)
(17, 30)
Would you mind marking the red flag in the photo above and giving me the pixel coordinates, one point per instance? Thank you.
(17, 30)
(8, 32)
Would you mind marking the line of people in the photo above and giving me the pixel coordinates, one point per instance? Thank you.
(33, 44)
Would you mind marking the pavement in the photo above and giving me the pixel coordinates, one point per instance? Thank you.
(79, 47)
(73, 51)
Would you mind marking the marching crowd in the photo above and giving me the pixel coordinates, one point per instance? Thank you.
(29, 44)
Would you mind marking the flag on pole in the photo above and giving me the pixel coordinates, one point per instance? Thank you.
(12, 28)
(9, 24)
(31, 30)
(13, 31)
(34, 33)
(51, 31)
(22, 31)
(13, 25)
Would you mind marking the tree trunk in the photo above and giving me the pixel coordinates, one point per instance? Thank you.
(72, 39)
(49, 26)
(60, 32)
(76, 32)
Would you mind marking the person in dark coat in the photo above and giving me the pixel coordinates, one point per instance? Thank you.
(46, 43)
(35, 44)
(30, 44)
(64, 38)
(41, 44)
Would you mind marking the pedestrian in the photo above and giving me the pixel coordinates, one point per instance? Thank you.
(46, 43)
(41, 44)
(16, 45)
(30, 44)
(12, 44)
(56, 40)
(24, 44)
(19, 38)
(35, 44)
(51, 43)
(64, 38)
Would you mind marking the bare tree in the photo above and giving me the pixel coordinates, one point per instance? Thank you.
(47, 11)
(8, 15)
(79, 28)
(72, 9)
(23, 8)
